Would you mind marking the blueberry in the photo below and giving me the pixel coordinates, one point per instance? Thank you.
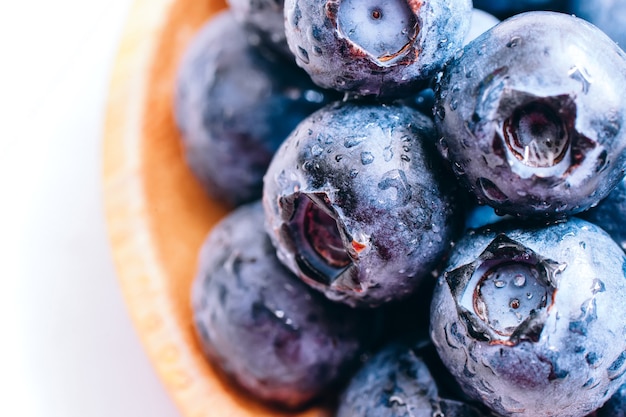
(264, 21)
(394, 382)
(424, 100)
(397, 382)
(609, 214)
(530, 319)
(507, 8)
(262, 327)
(608, 15)
(616, 406)
(372, 47)
(234, 107)
(358, 203)
(530, 117)
(481, 22)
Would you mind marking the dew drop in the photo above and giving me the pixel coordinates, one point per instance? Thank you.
(367, 158)
(440, 112)
(316, 150)
(313, 96)
(353, 173)
(581, 75)
(303, 55)
(388, 154)
(515, 40)
(443, 147)
(491, 191)
(519, 280)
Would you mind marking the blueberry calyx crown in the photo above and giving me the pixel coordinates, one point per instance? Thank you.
(534, 135)
(323, 249)
(383, 31)
(504, 296)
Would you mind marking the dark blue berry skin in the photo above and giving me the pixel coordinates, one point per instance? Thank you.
(397, 382)
(424, 101)
(359, 204)
(262, 327)
(507, 8)
(263, 18)
(373, 47)
(235, 106)
(530, 320)
(608, 15)
(529, 116)
(615, 407)
(610, 213)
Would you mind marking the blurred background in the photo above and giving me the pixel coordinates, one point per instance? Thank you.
(67, 346)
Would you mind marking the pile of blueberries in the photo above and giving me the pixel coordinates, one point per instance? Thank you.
(427, 204)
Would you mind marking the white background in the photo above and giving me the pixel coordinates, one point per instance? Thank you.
(67, 346)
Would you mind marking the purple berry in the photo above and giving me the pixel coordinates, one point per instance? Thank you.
(397, 382)
(609, 214)
(358, 204)
(530, 117)
(530, 320)
(373, 47)
(608, 15)
(263, 18)
(265, 329)
(235, 106)
(507, 8)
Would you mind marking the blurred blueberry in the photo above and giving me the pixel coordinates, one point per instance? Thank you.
(359, 204)
(397, 382)
(529, 319)
(262, 327)
(373, 47)
(530, 115)
(610, 213)
(265, 19)
(507, 8)
(480, 23)
(615, 407)
(234, 107)
(608, 15)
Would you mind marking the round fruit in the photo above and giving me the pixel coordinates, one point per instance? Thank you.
(531, 117)
(372, 47)
(530, 320)
(269, 332)
(234, 106)
(358, 202)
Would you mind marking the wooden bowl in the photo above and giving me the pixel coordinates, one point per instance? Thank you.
(157, 213)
